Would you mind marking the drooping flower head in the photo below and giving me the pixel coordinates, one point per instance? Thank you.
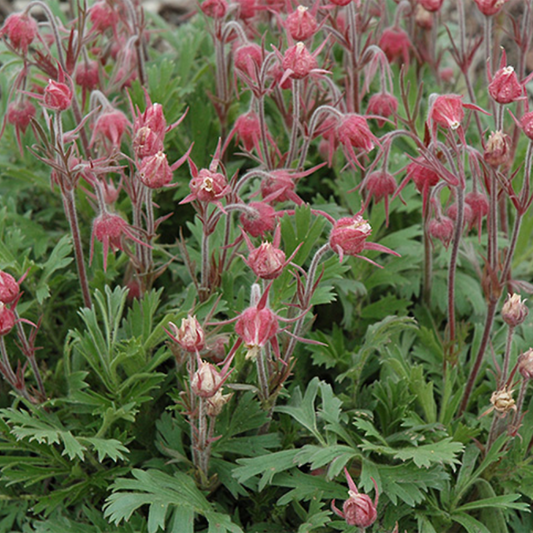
(21, 30)
(490, 7)
(9, 288)
(358, 510)
(383, 104)
(396, 44)
(441, 228)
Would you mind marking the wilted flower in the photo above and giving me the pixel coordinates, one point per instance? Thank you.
(514, 310)
(423, 17)
(525, 364)
(216, 403)
(497, 149)
(358, 510)
(502, 401)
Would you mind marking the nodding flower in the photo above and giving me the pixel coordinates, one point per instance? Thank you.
(358, 510)
(21, 30)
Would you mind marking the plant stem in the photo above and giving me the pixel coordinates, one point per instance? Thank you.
(296, 96)
(69, 203)
(506, 358)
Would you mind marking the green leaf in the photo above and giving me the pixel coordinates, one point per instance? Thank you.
(112, 448)
(506, 501)
(470, 524)
(163, 493)
(442, 452)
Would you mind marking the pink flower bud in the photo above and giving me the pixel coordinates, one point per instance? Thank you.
(423, 17)
(247, 8)
(206, 381)
(525, 364)
(9, 288)
(490, 7)
(479, 204)
(248, 59)
(111, 126)
(258, 223)
(358, 510)
(341, 3)
(216, 403)
(447, 111)
(526, 123)
(20, 113)
(514, 310)
(155, 172)
(190, 335)
(504, 87)
(353, 131)
(57, 96)
(431, 5)
(215, 9)
(382, 104)
(468, 215)
(498, 149)
(279, 187)
(103, 16)
(146, 143)
(256, 326)
(154, 118)
(422, 176)
(267, 261)
(301, 24)
(380, 184)
(109, 228)
(447, 74)
(87, 75)
(299, 61)
(441, 228)
(349, 235)
(208, 186)
(248, 130)
(7, 319)
(395, 44)
(21, 29)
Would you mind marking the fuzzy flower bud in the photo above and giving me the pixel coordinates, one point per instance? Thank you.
(216, 403)
(9, 288)
(468, 214)
(155, 172)
(479, 204)
(525, 364)
(103, 16)
(257, 326)
(110, 126)
(267, 261)
(447, 111)
(431, 5)
(146, 143)
(380, 184)
(190, 335)
(263, 220)
(349, 235)
(299, 61)
(7, 319)
(526, 123)
(490, 7)
(395, 44)
(301, 24)
(382, 104)
(109, 228)
(215, 9)
(248, 130)
(57, 96)
(504, 87)
(206, 381)
(353, 131)
(358, 510)
(20, 113)
(514, 310)
(154, 118)
(498, 149)
(442, 229)
(87, 75)
(21, 29)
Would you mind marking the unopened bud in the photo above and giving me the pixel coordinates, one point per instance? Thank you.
(504, 87)
(9, 288)
(267, 261)
(190, 335)
(57, 96)
(514, 310)
(525, 364)
(7, 320)
(349, 235)
(155, 172)
(206, 381)
(299, 61)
